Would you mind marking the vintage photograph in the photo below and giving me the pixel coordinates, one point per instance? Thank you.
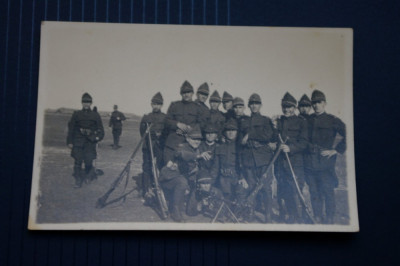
(172, 127)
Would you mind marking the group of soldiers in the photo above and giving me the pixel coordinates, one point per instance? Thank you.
(203, 154)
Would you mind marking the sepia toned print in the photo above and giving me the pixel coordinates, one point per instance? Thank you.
(156, 127)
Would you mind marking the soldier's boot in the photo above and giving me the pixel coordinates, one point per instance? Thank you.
(178, 207)
(78, 178)
(146, 183)
(91, 175)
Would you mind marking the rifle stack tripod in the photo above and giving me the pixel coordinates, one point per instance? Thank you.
(125, 174)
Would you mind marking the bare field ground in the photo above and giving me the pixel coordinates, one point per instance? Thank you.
(59, 202)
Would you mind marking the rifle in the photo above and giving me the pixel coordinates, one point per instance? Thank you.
(102, 201)
(248, 206)
(302, 200)
(157, 188)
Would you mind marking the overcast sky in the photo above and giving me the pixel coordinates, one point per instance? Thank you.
(126, 64)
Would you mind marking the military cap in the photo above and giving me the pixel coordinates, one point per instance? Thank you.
(226, 97)
(210, 128)
(215, 97)
(231, 124)
(317, 96)
(86, 98)
(289, 100)
(157, 98)
(203, 177)
(186, 87)
(195, 133)
(304, 101)
(238, 101)
(115, 106)
(254, 98)
(203, 89)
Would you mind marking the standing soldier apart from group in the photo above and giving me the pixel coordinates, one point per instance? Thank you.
(85, 129)
(116, 124)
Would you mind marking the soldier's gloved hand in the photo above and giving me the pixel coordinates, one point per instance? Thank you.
(328, 153)
(284, 148)
(245, 138)
(272, 145)
(243, 183)
(171, 165)
(206, 155)
(70, 146)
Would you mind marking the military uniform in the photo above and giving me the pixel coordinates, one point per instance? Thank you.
(293, 129)
(187, 112)
(184, 176)
(208, 198)
(226, 168)
(208, 147)
(217, 118)
(242, 121)
(204, 110)
(226, 97)
(85, 129)
(116, 123)
(256, 153)
(320, 169)
(157, 133)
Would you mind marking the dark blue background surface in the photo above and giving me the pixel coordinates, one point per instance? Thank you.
(376, 97)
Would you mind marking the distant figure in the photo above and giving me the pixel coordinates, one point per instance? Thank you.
(85, 129)
(116, 124)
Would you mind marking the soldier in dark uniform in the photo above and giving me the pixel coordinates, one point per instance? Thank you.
(85, 129)
(181, 117)
(293, 129)
(217, 119)
(207, 148)
(116, 124)
(184, 176)
(305, 106)
(208, 197)
(202, 95)
(227, 102)
(256, 152)
(241, 119)
(226, 168)
(157, 132)
(324, 144)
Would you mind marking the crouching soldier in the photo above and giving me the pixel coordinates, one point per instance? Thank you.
(208, 197)
(185, 158)
(327, 138)
(226, 167)
(157, 121)
(85, 129)
(293, 131)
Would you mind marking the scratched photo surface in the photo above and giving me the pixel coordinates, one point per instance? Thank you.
(93, 169)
